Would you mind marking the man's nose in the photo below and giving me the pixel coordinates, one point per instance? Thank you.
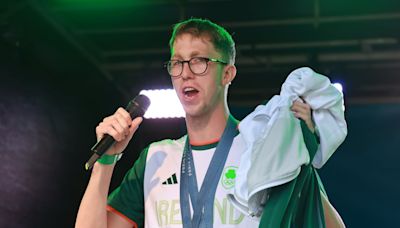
(186, 72)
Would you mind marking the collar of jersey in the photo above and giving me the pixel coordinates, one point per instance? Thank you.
(208, 145)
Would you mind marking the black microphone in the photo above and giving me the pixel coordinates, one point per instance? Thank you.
(136, 107)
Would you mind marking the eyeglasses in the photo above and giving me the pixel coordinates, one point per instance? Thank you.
(198, 65)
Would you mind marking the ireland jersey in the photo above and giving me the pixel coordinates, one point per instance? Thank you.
(149, 193)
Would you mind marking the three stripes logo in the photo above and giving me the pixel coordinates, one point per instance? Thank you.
(171, 180)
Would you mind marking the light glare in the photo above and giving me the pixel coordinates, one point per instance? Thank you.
(338, 86)
(164, 104)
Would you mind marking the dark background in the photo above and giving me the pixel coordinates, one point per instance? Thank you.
(66, 64)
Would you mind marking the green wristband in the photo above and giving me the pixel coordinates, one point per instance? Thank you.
(106, 159)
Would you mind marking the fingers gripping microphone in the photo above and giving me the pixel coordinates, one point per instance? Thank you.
(136, 107)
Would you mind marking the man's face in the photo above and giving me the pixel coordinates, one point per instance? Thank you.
(202, 94)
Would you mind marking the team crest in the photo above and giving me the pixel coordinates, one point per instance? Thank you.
(228, 177)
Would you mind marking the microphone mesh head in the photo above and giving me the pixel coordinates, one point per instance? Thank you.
(138, 106)
(143, 101)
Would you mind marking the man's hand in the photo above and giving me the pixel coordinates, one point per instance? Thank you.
(121, 127)
(303, 111)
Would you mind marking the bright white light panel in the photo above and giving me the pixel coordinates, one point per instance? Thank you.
(164, 104)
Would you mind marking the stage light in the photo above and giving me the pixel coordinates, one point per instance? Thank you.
(338, 86)
(164, 104)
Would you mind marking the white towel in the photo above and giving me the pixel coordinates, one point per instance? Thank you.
(275, 148)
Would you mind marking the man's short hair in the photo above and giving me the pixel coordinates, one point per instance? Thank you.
(218, 36)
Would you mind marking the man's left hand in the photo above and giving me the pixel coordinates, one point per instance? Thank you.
(303, 111)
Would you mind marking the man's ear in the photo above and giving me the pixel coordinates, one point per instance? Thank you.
(229, 74)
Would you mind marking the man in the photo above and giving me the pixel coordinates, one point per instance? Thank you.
(158, 191)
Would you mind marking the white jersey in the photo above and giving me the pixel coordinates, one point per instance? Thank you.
(162, 189)
(161, 186)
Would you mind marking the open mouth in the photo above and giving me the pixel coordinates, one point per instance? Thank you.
(190, 91)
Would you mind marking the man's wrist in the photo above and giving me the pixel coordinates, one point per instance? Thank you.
(107, 159)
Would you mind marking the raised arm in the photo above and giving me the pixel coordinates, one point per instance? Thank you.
(92, 210)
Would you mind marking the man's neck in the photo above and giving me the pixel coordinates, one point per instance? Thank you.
(206, 128)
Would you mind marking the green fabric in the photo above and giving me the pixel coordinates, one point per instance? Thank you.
(128, 198)
(205, 147)
(106, 159)
(297, 203)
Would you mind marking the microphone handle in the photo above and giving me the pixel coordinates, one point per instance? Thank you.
(107, 141)
(99, 149)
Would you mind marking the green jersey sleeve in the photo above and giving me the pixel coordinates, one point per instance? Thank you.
(310, 139)
(298, 202)
(128, 198)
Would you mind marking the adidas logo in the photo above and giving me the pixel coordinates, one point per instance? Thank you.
(171, 180)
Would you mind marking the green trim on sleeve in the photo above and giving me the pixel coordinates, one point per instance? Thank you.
(128, 198)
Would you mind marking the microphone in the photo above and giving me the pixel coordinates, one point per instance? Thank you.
(136, 107)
